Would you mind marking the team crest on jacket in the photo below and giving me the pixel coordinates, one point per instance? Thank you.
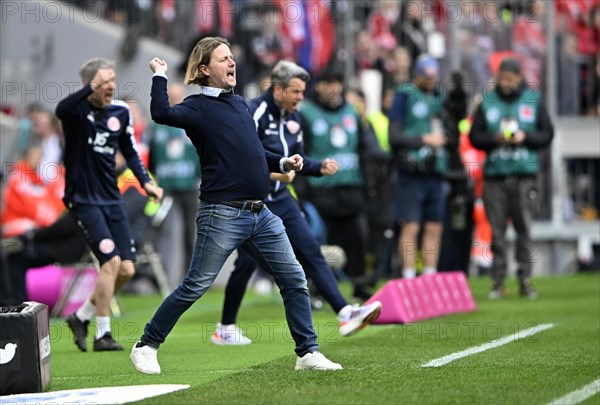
(113, 124)
(526, 113)
(106, 246)
(349, 123)
(292, 126)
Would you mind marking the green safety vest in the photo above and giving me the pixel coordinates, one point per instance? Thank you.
(176, 163)
(333, 135)
(381, 125)
(511, 160)
(421, 109)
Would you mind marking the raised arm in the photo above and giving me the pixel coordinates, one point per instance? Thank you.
(160, 110)
(69, 106)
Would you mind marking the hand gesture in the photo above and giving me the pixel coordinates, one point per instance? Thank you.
(517, 138)
(436, 140)
(153, 191)
(102, 77)
(329, 167)
(294, 162)
(288, 177)
(158, 65)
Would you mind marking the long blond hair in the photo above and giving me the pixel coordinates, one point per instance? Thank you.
(201, 56)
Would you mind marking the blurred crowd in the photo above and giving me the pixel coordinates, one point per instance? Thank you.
(386, 37)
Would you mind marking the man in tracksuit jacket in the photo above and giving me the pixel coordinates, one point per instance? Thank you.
(278, 125)
(511, 125)
(95, 128)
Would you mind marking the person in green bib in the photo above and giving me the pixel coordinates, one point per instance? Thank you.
(332, 129)
(511, 125)
(417, 137)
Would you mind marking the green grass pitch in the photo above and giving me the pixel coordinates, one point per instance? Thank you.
(381, 363)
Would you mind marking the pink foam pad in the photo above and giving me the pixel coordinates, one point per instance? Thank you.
(424, 297)
(46, 284)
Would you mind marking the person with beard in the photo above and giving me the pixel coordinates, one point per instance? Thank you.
(332, 130)
(417, 137)
(511, 125)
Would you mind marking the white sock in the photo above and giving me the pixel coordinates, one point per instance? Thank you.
(409, 272)
(102, 326)
(429, 270)
(86, 311)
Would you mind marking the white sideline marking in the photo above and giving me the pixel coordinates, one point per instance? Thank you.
(580, 395)
(487, 346)
(103, 395)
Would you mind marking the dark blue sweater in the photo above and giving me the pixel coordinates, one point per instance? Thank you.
(234, 164)
(92, 137)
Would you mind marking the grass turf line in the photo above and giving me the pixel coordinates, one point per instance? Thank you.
(381, 363)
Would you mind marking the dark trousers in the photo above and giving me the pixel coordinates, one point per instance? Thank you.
(307, 251)
(504, 199)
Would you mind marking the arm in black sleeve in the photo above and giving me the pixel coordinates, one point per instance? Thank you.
(399, 141)
(67, 107)
(397, 114)
(161, 111)
(273, 161)
(545, 131)
(368, 143)
(479, 136)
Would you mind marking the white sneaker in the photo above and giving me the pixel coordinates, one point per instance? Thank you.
(354, 318)
(409, 273)
(145, 359)
(229, 335)
(316, 361)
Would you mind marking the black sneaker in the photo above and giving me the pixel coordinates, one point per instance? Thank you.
(526, 290)
(80, 331)
(106, 343)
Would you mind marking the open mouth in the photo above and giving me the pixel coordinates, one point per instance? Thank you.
(231, 74)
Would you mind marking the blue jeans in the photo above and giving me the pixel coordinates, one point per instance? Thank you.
(221, 230)
(307, 251)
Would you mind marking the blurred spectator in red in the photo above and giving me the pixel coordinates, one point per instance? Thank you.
(28, 201)
(383, 17)
(365, 51)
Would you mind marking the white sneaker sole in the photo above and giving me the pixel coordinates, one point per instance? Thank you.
(301, 368)
(144, 371)
(220, 342)
(347, 330)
